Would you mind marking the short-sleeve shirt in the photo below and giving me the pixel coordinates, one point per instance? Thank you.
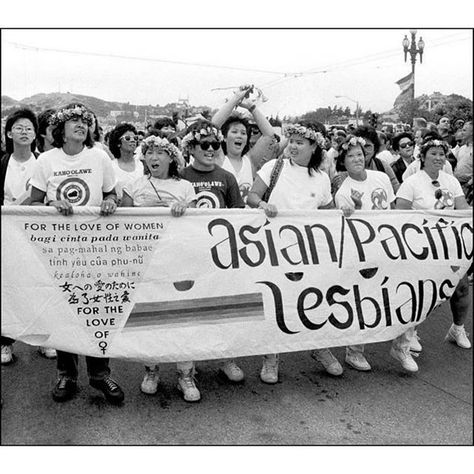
(126, 177)
(376, 189)
(415, 166)
(423, 194)
(214, 189)
(80, 179)
(149, 192)
(17, 180)
(295, 188)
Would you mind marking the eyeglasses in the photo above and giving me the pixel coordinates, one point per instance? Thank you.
(436, 183)
(129, 138)
(255, 131)
(405, 145)
(19, 129)
(206, 145)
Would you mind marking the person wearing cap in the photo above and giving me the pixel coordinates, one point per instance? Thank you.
(52, 181)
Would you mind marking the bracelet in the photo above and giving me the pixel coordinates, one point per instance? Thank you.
(252, 108)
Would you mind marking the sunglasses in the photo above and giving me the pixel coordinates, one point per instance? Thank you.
(405, 145)
(206, 145)
(436, 183)
(129, 138)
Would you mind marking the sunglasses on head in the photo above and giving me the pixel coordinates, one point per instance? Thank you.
(206, 145)
(129, 138)
(405, 145)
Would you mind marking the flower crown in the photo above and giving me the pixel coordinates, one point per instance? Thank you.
(65, 114)
(162, 143)
(352, 142)
(196, 135)
(305, 132)
(433, 143)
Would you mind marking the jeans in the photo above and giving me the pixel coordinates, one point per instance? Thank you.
(67, 364)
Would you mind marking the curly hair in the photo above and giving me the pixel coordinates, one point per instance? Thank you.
(396, 139)
(14, 117)
(116, 134)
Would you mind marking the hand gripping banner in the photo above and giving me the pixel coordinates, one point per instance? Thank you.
(146, 286)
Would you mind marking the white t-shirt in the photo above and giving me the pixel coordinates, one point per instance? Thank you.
(423, 194)
(386, 156)
(328, 164)
(80, 179)
(464, 166)
(295, 188)
(414, 167)
(244, 177)
(377, 192)
(17, 180)
(126, 177)
(150, 192)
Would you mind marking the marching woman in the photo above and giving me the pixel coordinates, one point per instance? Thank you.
(367, 189)
(74, 151)
(432, 188)
(127, 167)
(161, 186)
(296, 183)
(236, 131)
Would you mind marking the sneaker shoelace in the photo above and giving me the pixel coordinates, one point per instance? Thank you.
(62, 383)
(188, 382)
(111, 384)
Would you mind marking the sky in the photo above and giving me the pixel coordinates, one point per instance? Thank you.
(298, 70)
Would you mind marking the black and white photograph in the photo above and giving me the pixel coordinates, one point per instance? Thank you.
(236, 235)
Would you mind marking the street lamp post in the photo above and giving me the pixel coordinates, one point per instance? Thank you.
(357, 106)
(413, 50)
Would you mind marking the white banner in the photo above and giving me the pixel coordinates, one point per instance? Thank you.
(147, 286)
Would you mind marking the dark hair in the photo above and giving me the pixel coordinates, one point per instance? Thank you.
(398, 137)
(225, 130)
(15, 116)
(430, 135)
(162, 122)
(197, 125)
(116, 134)
(318, 154)
(173, 168)
(342, 152)
(97, 128)
(429, 143)
(58, 131)
(43, 124)
(369, 133)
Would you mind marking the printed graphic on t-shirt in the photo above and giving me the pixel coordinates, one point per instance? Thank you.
(379, 199)
(244, 189)
(207, 200)
(444, 199)
(75, 190)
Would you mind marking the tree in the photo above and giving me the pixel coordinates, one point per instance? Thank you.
(455, 106)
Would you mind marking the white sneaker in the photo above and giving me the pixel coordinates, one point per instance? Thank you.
(150, 381)
(330, 363)
(232, 371)
(7, 354)
(455, 334)
(357, 361)
(405, 358)
(47, 352)
(187, 385)
(269, 372)
(415, 345)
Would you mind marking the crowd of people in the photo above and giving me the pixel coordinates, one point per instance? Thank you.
(236, 159)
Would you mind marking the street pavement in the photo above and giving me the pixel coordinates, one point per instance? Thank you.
(307, 407)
